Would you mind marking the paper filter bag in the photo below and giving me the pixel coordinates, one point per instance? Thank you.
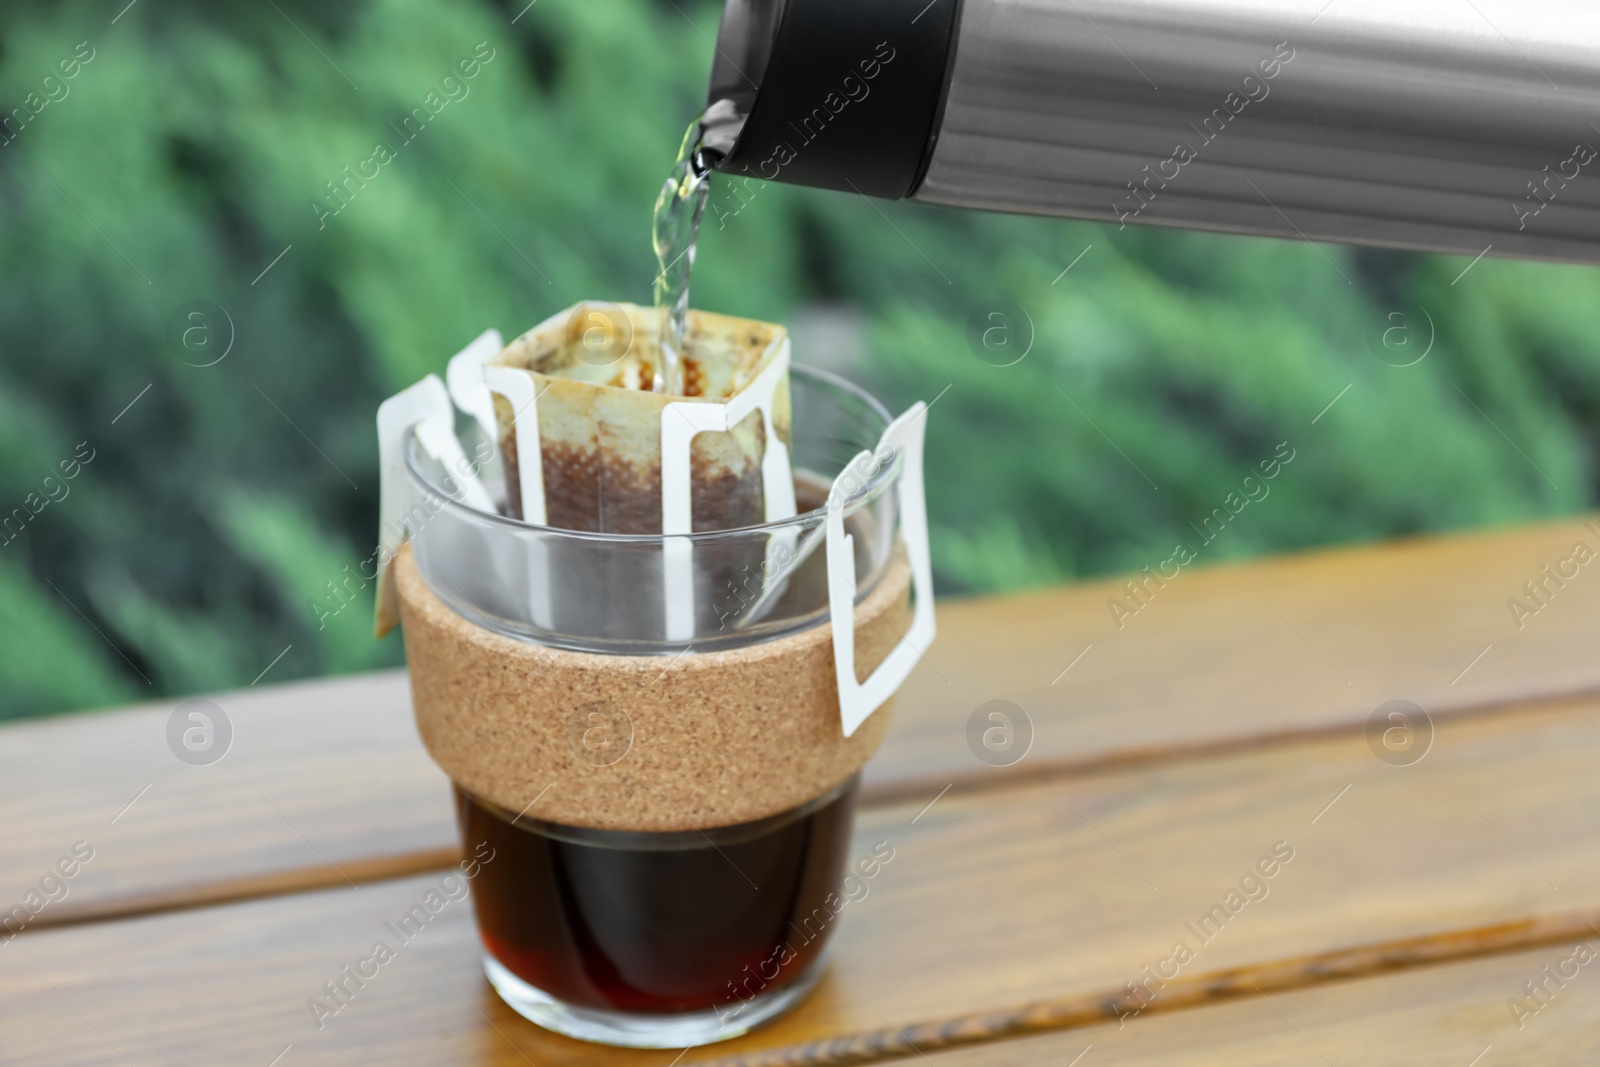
(601, 425)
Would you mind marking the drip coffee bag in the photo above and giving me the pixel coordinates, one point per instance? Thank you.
(600, 428)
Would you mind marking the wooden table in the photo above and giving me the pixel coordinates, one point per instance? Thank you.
(1030, 914)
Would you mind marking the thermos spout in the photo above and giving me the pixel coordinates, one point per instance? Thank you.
(1425, 124)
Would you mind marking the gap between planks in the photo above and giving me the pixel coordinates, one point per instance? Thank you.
(246, 888)
(1066, 1013)
(908, 790)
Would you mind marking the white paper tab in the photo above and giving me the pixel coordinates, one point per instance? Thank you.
(517, 386)
(424, 410)
(464, 376)
(681, 422)
(858, 700)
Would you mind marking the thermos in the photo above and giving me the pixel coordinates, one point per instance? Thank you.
(1465, 126)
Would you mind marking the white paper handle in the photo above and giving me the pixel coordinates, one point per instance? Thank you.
(517, 387)
(681, 421)
(858, 700)
(423, 409)
(464, 376)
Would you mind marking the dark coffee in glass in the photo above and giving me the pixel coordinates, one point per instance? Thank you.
(730, 921)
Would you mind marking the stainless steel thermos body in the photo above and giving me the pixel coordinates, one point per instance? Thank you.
(1449, 125)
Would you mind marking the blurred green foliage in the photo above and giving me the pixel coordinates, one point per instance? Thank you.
(188, 153)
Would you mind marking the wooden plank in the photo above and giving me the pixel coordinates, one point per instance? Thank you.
(1043, 895)
(1208, 666)
(1243, 654)
(322, 781)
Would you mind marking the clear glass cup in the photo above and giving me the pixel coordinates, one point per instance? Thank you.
(652, 939)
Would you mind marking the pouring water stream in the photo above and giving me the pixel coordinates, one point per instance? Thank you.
(676, 226)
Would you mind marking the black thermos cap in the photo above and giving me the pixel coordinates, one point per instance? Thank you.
(839, 94)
